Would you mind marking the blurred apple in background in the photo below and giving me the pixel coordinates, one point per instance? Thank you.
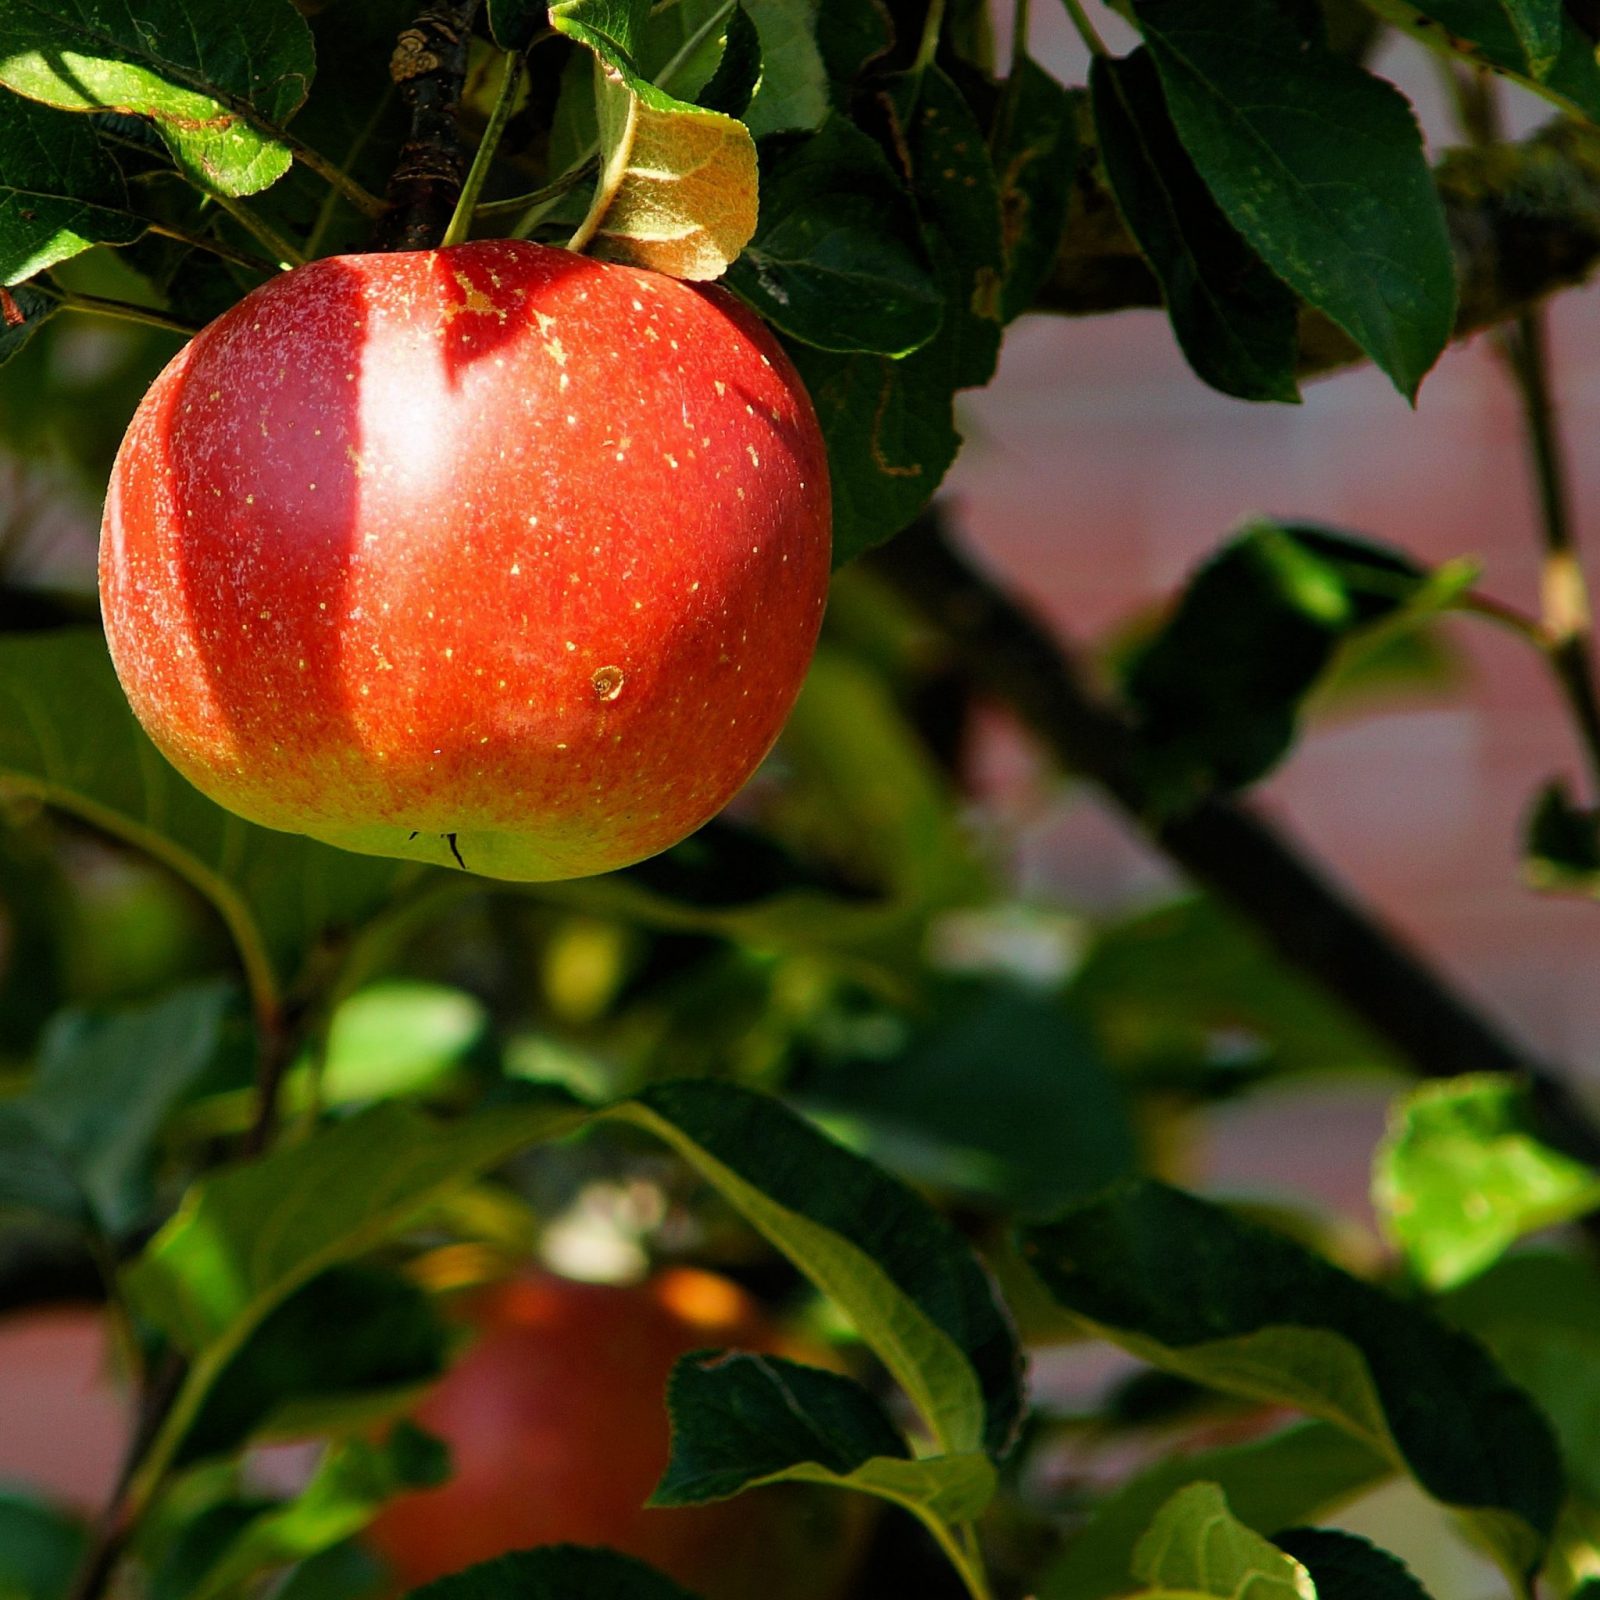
(557, 1423)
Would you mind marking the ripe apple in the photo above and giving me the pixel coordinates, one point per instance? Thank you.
(493, 555)
(558, 1430)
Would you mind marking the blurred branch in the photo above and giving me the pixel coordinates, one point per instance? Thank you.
(1221, 844)
(429, 67)
(1524, 220)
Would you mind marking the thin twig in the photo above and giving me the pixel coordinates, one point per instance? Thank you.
(203, 241)
(1565, 594)
(122, 310)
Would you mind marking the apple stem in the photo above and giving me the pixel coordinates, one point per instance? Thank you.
(461, 217)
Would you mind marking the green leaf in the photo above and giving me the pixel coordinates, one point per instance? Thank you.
(277, 892)
(1319, 165)
(731, 87)
(889, 426)
(1191, 1288)
(793, 92)
(398, 1037)
(677, 188)
(41, 1548)
(352, 1480)
(958, 198)
(1188, 995)
(218, 80)
(34, 307)
(558, 1572)
(1562, 843)
(1234, 320)
(34, 1180)
(247, 1238)
(1197, 1550)
(1344, 1566)
(837, 260)
(106, 1083)
(898, 1270)
(514, 22)
(1270, 1484)
(1217, 692)
(1464, 1173)
(345, 1572)
(1033, 145)
(1008, 1089)
(850, 34)
(60, 192)
(1539, 43)
(739, 1421)
(290, 1379)
(1539, 1313)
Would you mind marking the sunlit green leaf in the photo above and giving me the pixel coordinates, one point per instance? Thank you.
(218, 80)
(1465, 1172)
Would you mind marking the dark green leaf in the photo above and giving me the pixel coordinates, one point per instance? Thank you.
(1233, 318)
(291, 1378)
(1345, 1567)
(739, 1421)
(1217, 692)
(34, 307)
(217, 79)
(958, 198)
(891, 436)
(60, 192)
(559, 1572)
(514, 22)
(850, 34)
(1465, 1172)
(1008, 1089)
(1269, 1483)
(1319, 165)
(914, 1290)
(346, 1572)
(730, 87)
(41, 1548)
(793, 92)
(738, 1418)
(1541, 43)
(838, 260)
(106, 1083)
(1540, 1314)
(278, 892)
(34, 1180)
(1034, 147)
(1562, 846)
(1193, 1289)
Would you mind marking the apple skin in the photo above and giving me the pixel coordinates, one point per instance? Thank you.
(494, 556)
(557, 1423)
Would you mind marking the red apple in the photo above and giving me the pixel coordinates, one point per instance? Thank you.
(494, 554)
(557, 1424)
